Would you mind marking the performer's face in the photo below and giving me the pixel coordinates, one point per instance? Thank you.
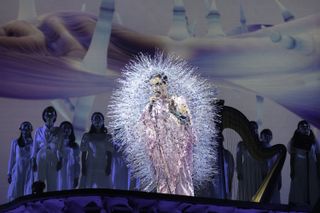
(159, 88)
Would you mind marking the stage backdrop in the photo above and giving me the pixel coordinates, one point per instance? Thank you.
(262, 55)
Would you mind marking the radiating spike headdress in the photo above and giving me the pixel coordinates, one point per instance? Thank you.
(131, 97)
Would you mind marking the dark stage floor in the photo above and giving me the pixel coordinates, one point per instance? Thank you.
(107, 200)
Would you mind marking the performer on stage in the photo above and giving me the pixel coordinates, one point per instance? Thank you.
(167, 134)
(166, 120)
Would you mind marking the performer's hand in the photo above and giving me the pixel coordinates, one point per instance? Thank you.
(152, 101)
(9, 178)
(75, 182)
(59, 165)
(84, 170)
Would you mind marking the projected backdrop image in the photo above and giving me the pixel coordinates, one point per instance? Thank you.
(262, 57)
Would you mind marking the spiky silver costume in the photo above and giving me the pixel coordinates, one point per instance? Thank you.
(169, 141)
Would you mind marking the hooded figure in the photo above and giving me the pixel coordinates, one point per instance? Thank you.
(166, 132)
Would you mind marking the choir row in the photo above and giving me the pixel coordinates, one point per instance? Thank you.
(52, 156)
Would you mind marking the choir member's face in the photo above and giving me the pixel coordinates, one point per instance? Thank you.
(66, 128)
(50, 118)
(254, 128)
(26, 129)
(266, 138)
(97, 121)
(304, 129)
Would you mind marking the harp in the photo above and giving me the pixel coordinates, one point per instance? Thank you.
(237, 121)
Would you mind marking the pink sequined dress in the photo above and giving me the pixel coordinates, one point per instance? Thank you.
(169, 141)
